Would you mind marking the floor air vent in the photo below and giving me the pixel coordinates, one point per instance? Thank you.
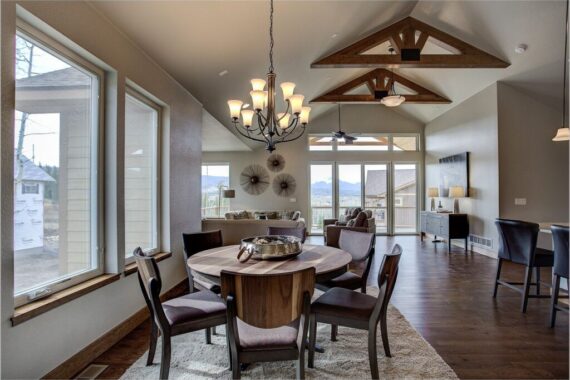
(481, 241)
(92, 371)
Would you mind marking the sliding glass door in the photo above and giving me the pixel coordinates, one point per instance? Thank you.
(376, 194)
(405, 193)
(349, 180)
(389, 190)
(321, 196)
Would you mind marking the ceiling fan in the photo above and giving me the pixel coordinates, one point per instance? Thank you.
(341, 135)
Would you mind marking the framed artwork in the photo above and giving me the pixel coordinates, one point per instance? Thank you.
(454, 171)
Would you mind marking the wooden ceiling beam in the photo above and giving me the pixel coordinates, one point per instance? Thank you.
(463, 55)
(339, 94)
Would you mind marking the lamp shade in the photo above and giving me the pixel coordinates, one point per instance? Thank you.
(235, 108)
(456, 192)
(562, 134)
(393, 100)
(305, 115)
(433, 192)
(288, 88)
(230, 193)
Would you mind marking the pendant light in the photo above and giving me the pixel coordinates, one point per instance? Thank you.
(563, 133)
(393, 99)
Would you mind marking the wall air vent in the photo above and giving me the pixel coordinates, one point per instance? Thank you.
(481, 241)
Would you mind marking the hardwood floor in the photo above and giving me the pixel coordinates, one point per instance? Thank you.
(448, 299)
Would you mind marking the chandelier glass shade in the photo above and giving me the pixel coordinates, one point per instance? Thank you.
(264, 124)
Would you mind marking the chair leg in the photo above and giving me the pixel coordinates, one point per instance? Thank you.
(497, 278)
(208, 332)
(301, 362)
(334, 332)
(165, 361)
(372, 356)
(153, 339)
(229, 348)
(236, 369)
(554, 298)
(526, 288)
(384, 332)
(312, 340)
(214, 330)
(537, 269)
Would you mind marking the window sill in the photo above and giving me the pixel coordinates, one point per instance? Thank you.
(132, 267)
(33, 309)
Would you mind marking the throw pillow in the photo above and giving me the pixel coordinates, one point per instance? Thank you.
(350, 223)
(360, 219)
(296, 215)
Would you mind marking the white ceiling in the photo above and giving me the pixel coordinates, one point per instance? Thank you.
(196, 40)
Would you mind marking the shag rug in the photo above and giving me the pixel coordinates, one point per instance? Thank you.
(412, 357)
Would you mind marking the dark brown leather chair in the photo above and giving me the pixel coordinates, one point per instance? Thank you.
(348, 308)
(560, 270)
(300, 232)
(278, 330)
(192, 312)
(198, 242)
(517, 243)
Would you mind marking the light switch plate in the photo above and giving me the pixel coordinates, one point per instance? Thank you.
(292, 200)
(520, 201)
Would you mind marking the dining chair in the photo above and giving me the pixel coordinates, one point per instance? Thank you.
(560, 270)
(268, 317)
(360, 245)
(197, 242)
(344, 307)
(517, 244)
(300, 232)
(191, 312)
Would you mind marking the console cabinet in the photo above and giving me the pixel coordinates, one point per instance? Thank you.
(449, 226)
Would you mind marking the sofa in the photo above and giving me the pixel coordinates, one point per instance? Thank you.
(354, 219)
(235, 227)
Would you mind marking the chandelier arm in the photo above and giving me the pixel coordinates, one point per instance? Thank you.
(293, 139)
(247, 136)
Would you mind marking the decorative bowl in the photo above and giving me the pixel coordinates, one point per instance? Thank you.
(270, 247)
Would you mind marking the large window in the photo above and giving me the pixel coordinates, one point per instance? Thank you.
(142, 118)
(215, 179)
(56, 168)
(321, 194)
(405, 198)
(365, 142)
(349, 187)
(376, 194)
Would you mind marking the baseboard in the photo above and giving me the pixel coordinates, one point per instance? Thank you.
(472, 248)
(83, 358)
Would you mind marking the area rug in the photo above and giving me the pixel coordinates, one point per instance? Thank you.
(412, 357)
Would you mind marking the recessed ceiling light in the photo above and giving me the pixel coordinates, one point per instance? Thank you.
(245, 105)
(222, 73)
(521, 48)
(334, 35)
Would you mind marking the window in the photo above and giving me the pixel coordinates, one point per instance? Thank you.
(30, 188)
(364, 142)
(215, 178)
(142, 118)
(405, 143)
(376, 194)
(321, 194)
(320, 142)
(349, 187)
(405, 198)
(56, 166)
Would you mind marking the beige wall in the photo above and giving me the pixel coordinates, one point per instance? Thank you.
(531, 165)
(34, 348)
(470, 126)
(355, 118)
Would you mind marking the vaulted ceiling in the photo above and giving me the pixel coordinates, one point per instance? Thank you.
(195, 41)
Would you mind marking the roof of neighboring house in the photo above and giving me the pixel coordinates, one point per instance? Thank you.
(32, 172)
(376, 180)
(69, 77)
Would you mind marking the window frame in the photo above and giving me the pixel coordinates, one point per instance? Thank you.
(333, 194)
(217, 163)
(52, 46)
(139, 96)
(390, 147)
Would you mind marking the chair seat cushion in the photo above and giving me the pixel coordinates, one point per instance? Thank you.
(206, 285)
(543, 258)
(347, 280)
(344, 303)
(255, 338)
(193, 306)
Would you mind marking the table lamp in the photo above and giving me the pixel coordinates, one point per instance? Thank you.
(433, 192)
(456, 192)
(223, 193)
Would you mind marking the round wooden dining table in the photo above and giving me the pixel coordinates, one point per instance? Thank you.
(328, 262)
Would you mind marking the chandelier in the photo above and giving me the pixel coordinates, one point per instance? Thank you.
(272, 127)
(393, 99)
